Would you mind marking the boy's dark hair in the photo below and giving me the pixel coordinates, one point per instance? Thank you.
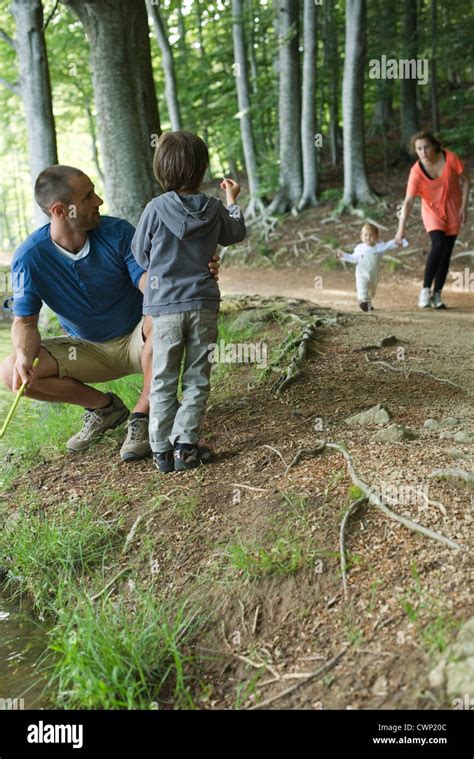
(180, 161)
(52, 185)
(423, 135)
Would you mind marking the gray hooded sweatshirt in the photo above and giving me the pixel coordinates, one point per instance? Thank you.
(175, 239)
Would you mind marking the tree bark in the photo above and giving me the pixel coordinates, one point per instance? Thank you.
(434, 80)
(241, 78)
(356, 185)
(331, 61)
(125, 99)
(289, 108)
(35, 88)
(408, 87)
(308, 120)
(171, 90)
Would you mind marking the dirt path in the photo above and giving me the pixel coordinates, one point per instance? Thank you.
(256, 546)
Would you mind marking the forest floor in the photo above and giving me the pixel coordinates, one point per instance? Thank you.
(254, 545)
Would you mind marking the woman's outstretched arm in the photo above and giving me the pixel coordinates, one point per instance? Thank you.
(465, 182)
(404, 214)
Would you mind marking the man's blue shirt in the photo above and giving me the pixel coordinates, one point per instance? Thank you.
(95, 298)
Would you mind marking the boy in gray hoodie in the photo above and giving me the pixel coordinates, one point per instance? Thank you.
(174, 241)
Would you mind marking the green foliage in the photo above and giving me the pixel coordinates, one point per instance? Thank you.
(286, 547)
(45, 553)
(333, 193)
(112, 657)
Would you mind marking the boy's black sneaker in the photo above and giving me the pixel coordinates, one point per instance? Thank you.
(164, 461)
(364, 305)
(186, 456)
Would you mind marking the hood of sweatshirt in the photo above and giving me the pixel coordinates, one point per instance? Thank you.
(187, 216)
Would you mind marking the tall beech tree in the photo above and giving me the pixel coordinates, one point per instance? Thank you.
(243, 98)
(289, 108)
(171, 90)
(33, 86)
(408, 87)
(331, 65)
(356, 184)
(308, 111)
(125, 99)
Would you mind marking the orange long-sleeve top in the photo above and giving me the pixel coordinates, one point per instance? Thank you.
(441, 197)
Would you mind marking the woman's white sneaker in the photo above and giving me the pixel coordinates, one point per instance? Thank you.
(424, 300)
(436, 300)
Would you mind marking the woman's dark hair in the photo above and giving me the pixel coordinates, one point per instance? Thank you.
(180, 161)
(425, 136)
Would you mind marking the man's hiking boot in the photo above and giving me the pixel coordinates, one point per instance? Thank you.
(96, 422)
(164, 461)
(186, 456)
(137, 444)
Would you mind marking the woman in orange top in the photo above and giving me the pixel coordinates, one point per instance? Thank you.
(437, 177)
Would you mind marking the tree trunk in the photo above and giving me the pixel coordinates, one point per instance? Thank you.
(204, 70)
(331, 62)
(171, 92)
(241, 78)
(434, 82)
(125, 99)
(92, 132)
(35, 88)
(289, 109)
(308, 120)
(356, 185)
(408, 87)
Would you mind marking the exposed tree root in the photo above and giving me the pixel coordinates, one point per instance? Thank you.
(351, 510)
(454, 474)
(374, 499)
(304, 452)
(317, 673)
(408, 371)
(295, 366)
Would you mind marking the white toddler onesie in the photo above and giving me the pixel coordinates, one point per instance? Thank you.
(367, 258)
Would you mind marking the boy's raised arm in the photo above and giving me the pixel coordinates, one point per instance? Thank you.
(233, 227)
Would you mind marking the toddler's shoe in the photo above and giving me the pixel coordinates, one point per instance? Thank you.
(164, 461)
(364, 305)
(186, 456)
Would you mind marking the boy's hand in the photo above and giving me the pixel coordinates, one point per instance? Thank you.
(214, 267)
(232, 190)
(339, 253)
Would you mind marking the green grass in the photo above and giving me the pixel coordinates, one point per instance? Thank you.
(186, 506)
(286, 547)
(115, 657)
(48, 553)
(436, 633)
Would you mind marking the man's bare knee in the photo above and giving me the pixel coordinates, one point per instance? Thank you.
(6, 371)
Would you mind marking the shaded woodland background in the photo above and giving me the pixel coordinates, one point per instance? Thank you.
(93, 83)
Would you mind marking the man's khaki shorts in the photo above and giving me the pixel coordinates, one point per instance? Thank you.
(97, 362)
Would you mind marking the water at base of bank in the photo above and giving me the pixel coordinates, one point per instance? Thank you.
(23, 640)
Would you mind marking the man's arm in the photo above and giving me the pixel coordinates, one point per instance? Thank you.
(26, 341)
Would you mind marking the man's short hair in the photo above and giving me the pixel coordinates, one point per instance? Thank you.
(180, 161)
(52, 186)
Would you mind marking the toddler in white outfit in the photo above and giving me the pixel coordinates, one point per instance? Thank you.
(367, 256)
